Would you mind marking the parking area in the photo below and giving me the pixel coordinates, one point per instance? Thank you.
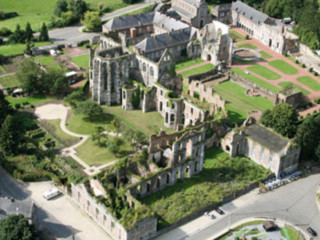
(62, 217)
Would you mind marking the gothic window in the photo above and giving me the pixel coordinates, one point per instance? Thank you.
(261, 155)
(124, 95)
(245, 147)
(151, 71)
(269, 161)
(191, 111)
(160, 107)
(253, 151)
(172, 106)
(144, 67)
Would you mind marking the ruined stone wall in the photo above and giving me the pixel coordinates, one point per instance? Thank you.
(145, 70)
(192, 114)
(106, 42)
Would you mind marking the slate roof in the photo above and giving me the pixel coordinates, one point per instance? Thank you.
(266, 137)
(167, 22)
(183, 12)
(9, 207)
(165, 40)
(130, 21)
(249, 12)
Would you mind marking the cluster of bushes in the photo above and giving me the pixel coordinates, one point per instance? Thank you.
(305, 105)
(316, 100)
(6, 15)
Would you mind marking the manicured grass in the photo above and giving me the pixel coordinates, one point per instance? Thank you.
(2, 69)
(53, 126)
(265, 55)
(291, 234)
(13, 49)
(141, 10)
(34, 100)
(45, 60)
(217, 180)
(238, 60)
(237, 37)
(187, 63)
(9, 81)
(286, 84)
(148, 123)
(198, 70)
(79, 124)
(247, 45)
(264, 72)
(81, 61)
(93, 154)
(238, 103)
(293, 60)
(256, 80)
(283, 67)
(38, 11)
(57, 66)
(309, 82)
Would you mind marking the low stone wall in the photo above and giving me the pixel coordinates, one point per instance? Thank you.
(306, 51)
(248, 84)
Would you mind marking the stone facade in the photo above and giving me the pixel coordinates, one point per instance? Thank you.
(263, 146)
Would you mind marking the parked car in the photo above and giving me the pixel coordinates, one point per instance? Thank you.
(218, 210)
(51, 193)
(312, 232)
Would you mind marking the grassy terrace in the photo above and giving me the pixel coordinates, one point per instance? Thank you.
(238, 103)
(92, 154)
(309, 82)
(148, 123)
(13, 49)
(45, 60)
(247, 45)
(197, 70)
(38, 11)
(283, 67)
(264, 55)
(286, 84)
(264, 72)
(9, 81)
(34, 100)
(221, 176)
(81, 61)
(237, 37)
(256, 80)
(188, 63)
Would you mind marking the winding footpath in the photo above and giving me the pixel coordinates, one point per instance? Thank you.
(59, 111)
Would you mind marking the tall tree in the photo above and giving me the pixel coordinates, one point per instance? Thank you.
(55, 81)
(92, 21)
(28, 33)
(283, 119)
(17, 36)
(9, 136)
(74, 98)
(16, 227)
(61, 7)
(78, 7)
(5, 108)
(90, 109)
(44, 36)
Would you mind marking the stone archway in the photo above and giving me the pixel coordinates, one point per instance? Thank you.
(270, 42)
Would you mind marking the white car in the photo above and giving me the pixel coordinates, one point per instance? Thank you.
(51, 193)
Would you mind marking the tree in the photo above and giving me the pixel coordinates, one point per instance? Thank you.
(17, 36)
(92, 21)
(16, 227)
(116, 125)
(44, 36)
(90, 109)
(28, 50)
(28, 33)
(30, 76)
(283, 119)
(113, 148)
(68, 18)
(55, 81)
(5, 108)
(61, 7)
(78, 7)
(74, 98)
(9, 135)
(99, 136)
(317, 152)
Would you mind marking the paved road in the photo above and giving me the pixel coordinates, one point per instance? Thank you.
(60, 217)
(73, 34)
(293, 203)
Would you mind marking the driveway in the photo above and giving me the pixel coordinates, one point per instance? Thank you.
(60, 217)
(294, 203)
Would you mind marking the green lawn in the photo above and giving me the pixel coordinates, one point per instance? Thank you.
(34, 100)
(247, 45)
(198, 70)
(237, 37)
(293, 60)
(264, 72)
(45, 60)
(148, 123)
(286, 84)
(238, 103)
(241, 61)
(187, 63)
(57, 66)
(3, 69)
(221, 176)
(9, 81)
(141, 10)
(38, 11)
(283, 67)
(81, 61)
(310, 82)
(264, 55)
(53, 126)
(291, 234)
(13, 49)
(256, 80)
(92, 154)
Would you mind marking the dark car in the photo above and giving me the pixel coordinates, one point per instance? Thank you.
(218, 210)
(312, 232)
